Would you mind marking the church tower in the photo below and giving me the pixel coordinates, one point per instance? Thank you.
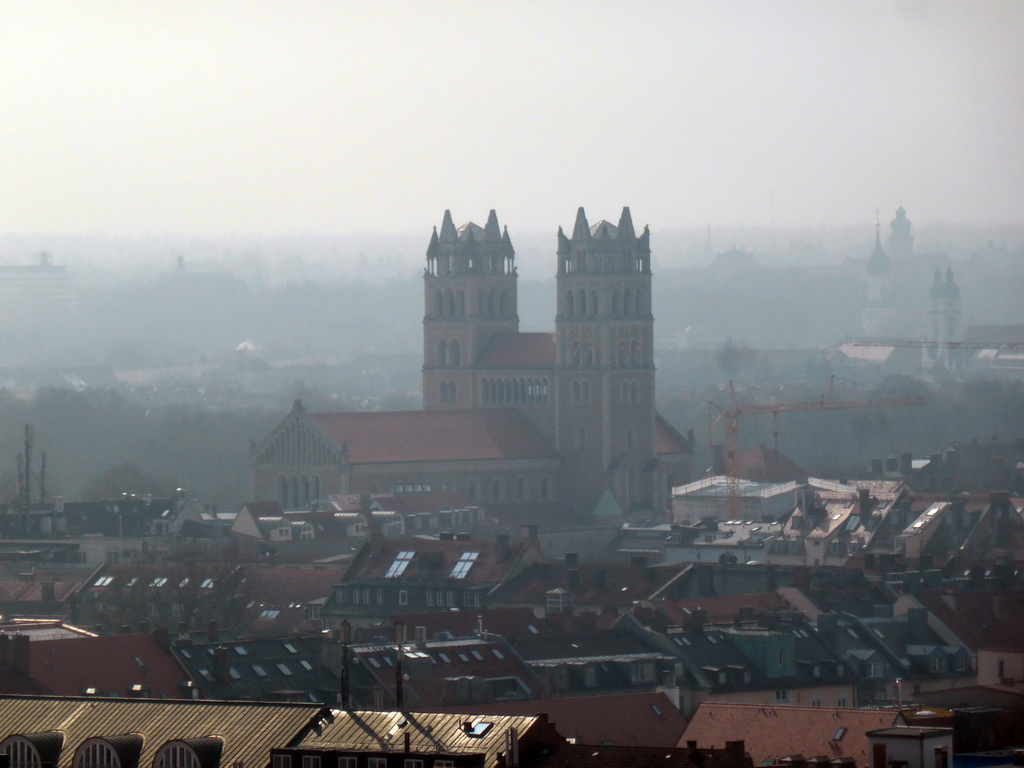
(469, 299)
(604, 364)
(943, 323)
(901, 242)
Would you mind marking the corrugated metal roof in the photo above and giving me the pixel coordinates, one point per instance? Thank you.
(428, 732)
(248, 730)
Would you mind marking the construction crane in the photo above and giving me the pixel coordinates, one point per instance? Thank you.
(730, 417)
(939, 344)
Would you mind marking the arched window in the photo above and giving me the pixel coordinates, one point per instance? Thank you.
(502, 308)
(451, 391)
(442, 392)
(449, 300)
(100, 752)
(295, 493)
(471, 491)
(581, 439)
(490, 302)
(282, 490)
(496, 489)
(569, 309)
(627, 301)
(520, 488)
(575, 391)
(634, 391)
(593, 302)
(461, 303)
(585, 391)
(545, 488)
(189, 753)
(582, 301)
(24, 751)
(453, 352)
(438, 304)
(638, 301)
(316, 488)
(481, 302)
(442, 352)
(305, 491)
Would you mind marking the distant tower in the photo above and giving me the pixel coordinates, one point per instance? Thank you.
(604, 335)
(943, 322)
(901, 242)
(877, 316)
(469, 298)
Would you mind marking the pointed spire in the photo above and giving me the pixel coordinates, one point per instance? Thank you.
(563, 243)
(492, 233)
(448, 233)
(581, 230)
(433, 247)
(506, 243)
(626, 231)
(645, 239)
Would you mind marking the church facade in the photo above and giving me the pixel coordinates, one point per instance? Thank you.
(511, 420)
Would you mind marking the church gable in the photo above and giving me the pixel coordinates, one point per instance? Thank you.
(297, 441)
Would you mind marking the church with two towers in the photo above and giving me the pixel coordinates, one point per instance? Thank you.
(530, 422)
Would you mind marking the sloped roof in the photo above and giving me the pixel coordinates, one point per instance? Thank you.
(248, 731)
(499, 621)
(980, 619)
(109, 665)
(606, 584)
(518, 351)
(436, 559)
(667, 439)
(622, 719)
(450, 435)
(771, 733)
(763, 465)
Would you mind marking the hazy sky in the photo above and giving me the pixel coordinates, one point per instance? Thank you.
(257, 118)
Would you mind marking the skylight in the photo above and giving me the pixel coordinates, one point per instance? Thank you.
(306, 665)
(462, 567)
(290, 648)
(284, 669)
(103, 581)
(259, 670)
(401, 563)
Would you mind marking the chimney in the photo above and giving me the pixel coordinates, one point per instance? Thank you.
(736, 749)
(864, 502)
(420, 633)
(212, 631)
(828, 628)
(574, 577)
(220, 664)
(877, 467)
(464, 536)
(446, 536)
(529, 533)
(501, 544)
(695, 621)
(19, 655)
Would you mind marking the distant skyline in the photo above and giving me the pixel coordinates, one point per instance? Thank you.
(255, 119)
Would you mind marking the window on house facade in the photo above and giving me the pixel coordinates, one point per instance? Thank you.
(21, 752)
(282, 761)
(96, 753)
(781, 695)
(348, 762)
(403, 597)
(377, 762)
(311, 761)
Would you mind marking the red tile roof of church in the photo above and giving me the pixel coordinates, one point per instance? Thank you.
(667, 438)
(449, 435)
(519, 350)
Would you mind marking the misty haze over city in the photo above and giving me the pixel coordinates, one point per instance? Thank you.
(511, 384)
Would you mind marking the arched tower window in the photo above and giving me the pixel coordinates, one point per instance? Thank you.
(471, 491)
(545, 488)
(520, 488)
(460, 300)
(282, 490)
(438, 304)
(453, 352)
(616, 303)
(638, 301)
(502, 305)
(582, 301)
(627, 301)
(33, 749)
(305, 491)
(295, 493)
(442, 352)
(593, 302)
(496, 489)
(569, 302)
(449, 300)
(490, 302)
